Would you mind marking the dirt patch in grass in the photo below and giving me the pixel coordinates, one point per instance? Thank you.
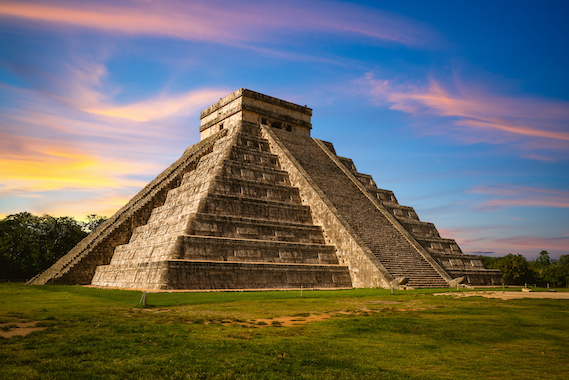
(510, 295)
(290, 321)
(299, 320)
(18, 327)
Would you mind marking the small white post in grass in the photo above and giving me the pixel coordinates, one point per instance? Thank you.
(503, 286)
(457, 286)
(548, 285)
(143, 299)
(391, 288)
(300, 291)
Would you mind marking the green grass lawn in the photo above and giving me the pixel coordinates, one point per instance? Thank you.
(93, 334)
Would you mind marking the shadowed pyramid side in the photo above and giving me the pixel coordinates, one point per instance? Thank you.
(78, 266)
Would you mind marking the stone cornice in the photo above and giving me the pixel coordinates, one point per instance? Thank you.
(258, 96)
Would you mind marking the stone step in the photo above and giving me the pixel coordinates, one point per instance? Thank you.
(259, 158)
(253, 142)
(255, 208)
(250, 189)
(248, 228)
(261, 174)
(209, 248)
(438, 245)
(366, 179)
(384, 195)
(184, 274)
(400, 211)
(418, 228)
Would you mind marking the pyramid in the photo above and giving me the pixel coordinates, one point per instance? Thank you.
(259, 204)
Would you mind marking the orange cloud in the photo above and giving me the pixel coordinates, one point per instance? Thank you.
(476, 109)
(99, 204)
(42, 165)
(224, 21)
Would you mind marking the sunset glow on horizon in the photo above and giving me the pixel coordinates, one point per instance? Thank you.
(461, 109)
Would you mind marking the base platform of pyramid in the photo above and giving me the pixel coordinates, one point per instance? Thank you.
(259, 204)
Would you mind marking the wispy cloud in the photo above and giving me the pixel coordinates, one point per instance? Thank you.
(161, 106)
(225, 21)
(522, 196)
(500, 240)
(537, 244)
(480, 115)
(533, 156)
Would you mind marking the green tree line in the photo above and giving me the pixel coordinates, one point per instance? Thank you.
(29, 244)
(516, 270)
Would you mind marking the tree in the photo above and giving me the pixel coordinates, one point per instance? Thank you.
(562, 271)
(543, 260)
(30, 244)
(515, 269)
(18, 245)
(544, 269)
(489, 261)
(93, 221)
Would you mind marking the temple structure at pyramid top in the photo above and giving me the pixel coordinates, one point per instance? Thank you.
(253, 107)
(260, 204)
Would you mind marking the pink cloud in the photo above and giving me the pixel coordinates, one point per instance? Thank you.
(224, 21)
(533, 156)
(537, 243)
(490, 239)
(480, 115)
(510, 196)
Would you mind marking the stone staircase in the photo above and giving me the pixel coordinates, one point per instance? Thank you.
(445, 252)
(234, 222)
(396, 253)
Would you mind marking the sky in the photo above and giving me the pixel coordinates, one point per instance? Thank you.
(460, 108)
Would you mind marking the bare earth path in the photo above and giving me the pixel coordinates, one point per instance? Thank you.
(509, 295)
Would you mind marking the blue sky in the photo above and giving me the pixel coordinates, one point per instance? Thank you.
(460, 108)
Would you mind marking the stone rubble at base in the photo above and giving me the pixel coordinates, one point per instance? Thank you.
(259, 204)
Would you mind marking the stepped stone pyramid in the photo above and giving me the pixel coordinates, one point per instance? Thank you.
(259, 204)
